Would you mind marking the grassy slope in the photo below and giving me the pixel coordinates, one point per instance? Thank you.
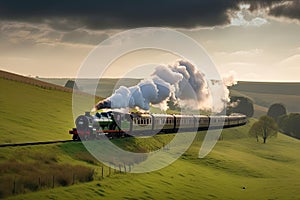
(30, 113)
(267, 171)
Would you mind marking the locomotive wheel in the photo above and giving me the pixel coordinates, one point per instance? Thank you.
(76, 138)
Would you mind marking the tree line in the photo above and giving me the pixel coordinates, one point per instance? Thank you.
(277, 119)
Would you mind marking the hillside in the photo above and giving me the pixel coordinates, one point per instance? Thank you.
(28, 112)
(32, 81)
(237, 168)
(284, 88)
(33, 113)
(264, 94)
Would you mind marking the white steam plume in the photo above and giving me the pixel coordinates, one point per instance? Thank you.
(182, 81)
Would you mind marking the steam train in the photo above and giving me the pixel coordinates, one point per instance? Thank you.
(116, 124)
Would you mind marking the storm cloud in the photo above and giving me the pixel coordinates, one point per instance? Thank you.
(123, 14)
(288, 9)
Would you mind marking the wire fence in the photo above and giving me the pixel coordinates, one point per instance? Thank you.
(23, 184)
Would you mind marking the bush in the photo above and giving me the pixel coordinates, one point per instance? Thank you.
(23, 177)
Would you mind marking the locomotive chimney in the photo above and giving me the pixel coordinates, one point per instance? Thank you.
(87, 113)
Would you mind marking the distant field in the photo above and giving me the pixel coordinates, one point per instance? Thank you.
(269, 87)
(104, 88)
(292, 102)
(266, 94)
(262, 94)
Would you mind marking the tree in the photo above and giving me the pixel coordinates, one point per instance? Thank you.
(283, 124)
(265, 127)
(290, 124)
(255, 130)
(239, 104)
(71, 84)
(276, 110)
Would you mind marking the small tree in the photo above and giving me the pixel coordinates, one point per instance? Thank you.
(276, 110)
(255, 130)
(265, 127)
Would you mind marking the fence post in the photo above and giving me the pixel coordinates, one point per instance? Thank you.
(14, 187)
(39, 182)
(102, 170)
(109, 170)
(124, 168)
(120, 168)
(53, 181)
(73, 179)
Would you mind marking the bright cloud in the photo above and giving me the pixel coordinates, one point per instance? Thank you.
(244, 17)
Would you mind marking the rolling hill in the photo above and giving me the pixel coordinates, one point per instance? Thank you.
(265, 94)
(237, 168)
(31, 110)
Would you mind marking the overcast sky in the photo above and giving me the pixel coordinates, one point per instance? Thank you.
(258, 40)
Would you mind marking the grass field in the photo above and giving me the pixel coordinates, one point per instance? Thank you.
(265, 171)
(31, 113)
(237, 168)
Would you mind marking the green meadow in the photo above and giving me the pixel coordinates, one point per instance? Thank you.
(30, 113)
(237, 168)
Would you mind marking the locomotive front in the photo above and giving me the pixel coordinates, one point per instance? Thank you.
(84, 127)
(90, 126)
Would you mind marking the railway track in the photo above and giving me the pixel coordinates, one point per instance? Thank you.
(35, 143)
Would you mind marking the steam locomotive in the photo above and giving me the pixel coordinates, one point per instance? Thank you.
(116, 124)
